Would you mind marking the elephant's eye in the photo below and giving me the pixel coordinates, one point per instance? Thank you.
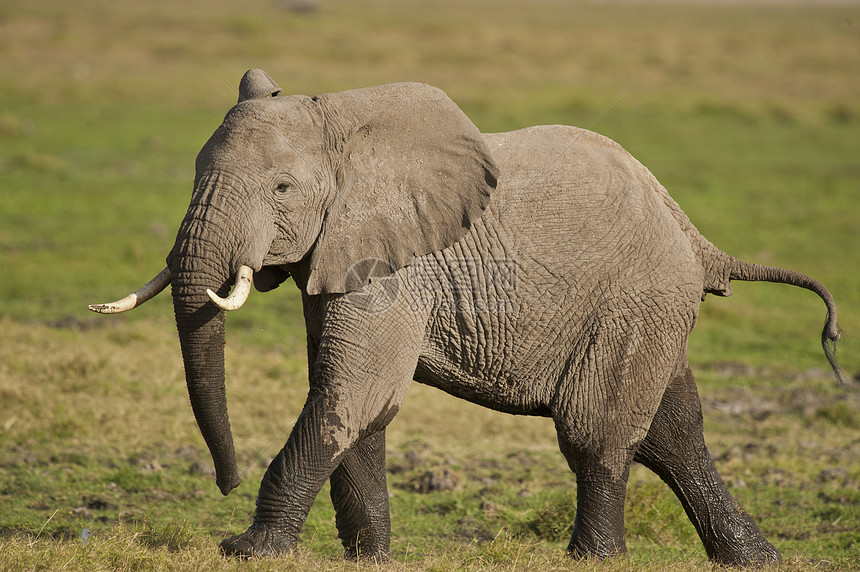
(283, 188)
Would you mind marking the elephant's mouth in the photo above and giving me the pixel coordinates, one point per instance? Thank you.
(270, 277)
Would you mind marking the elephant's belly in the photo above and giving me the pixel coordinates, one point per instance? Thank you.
(508, 396)
(501, 349)
(563, 349)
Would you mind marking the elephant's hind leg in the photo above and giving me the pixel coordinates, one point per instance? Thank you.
(598, 529)
(675, 450)
(602, 413)
(360, 497)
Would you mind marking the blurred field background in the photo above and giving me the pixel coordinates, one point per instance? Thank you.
(749, 113)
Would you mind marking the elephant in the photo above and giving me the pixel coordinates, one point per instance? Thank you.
(540, 272)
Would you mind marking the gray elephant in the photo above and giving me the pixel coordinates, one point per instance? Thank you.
(538, 272)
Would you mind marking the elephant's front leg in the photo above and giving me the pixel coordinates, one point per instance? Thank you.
(363, 368)
(290, 485)
(360, 496)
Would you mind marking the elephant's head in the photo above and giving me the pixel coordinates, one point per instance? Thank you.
(311, 187)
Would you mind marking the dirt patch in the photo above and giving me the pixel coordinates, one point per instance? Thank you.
(60, 534)
(436, 481)
(806, 400)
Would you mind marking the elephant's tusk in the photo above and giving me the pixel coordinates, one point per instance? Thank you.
(136, 298)
(240, 292)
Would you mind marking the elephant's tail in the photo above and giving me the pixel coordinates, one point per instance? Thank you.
(740, 270)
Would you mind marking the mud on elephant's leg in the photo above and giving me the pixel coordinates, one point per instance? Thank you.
(360, 497)
(362, 370)
(289, 487)
(296, 476)
(675, 450)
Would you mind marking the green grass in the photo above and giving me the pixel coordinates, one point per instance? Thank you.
(747, 113)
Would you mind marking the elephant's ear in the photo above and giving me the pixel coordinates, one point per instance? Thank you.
(257, 84)
(412, 173)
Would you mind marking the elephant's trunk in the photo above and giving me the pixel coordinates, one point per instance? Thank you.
(201, 335)
(212, 244)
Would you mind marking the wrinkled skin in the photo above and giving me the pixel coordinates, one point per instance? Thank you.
(538, 272)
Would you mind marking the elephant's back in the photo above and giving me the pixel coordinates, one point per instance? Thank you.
(560, 173)
(577, 202)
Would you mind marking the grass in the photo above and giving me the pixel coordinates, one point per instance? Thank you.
(786, 448)
(747, 113)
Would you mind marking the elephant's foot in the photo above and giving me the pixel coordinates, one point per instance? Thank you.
(257, 541)
(368, 548)
(746, 557)
(742, 555)
(368, 556)
(585, 546)
(741, 544)
(604, 553)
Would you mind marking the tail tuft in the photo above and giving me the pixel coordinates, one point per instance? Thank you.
(829, 339)
(830, 334)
